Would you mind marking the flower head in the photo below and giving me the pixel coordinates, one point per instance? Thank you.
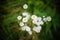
(25, 20)
(30, 32)
(19, 17)
(27, 28)
(49, 18)
(25, 6)
(21, 24)
(33, 17)
(37, 29)
(44, 19)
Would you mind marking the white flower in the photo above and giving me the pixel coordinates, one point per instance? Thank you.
(25, 14)
(48, 18)
(39, 19)
(33, 17)
(23, 28)
(30, 32)
(34, 21)
(25, 6)
(37, 29)
(27, 28)
(19, 17)
(39, 23)
(44, 19)
(25, 20)
(21, 24)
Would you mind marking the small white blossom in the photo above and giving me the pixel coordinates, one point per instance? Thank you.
(27, 28)
(25, 6)
(39, 23)
(23, 28)
(25, 14)
(39, 18)
(25, 20)
(30, 32)
(21, 24)
(44, 19)
(34, 21)
(48, 18)
(19, 17)
(37, 29)
(33, 17)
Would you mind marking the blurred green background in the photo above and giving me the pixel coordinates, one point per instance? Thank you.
(10, 9)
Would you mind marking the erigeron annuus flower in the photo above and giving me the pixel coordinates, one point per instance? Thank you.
(48, 18)
(30, 32)
(39, 19)
(44, 19)
(25, 6)
(37, 29)
(25, 14)
(33, 17)
(27, 28)
(23, 28)
(19, 17)
(34, 21)
(24, 20)
(39, 23)
(21, 24)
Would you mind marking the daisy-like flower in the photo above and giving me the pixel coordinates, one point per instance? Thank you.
(30, 32)
(19, 17)
(24, 20)
(21, 24)
(48, 18)
(25, 6)
(26, 14)
(37, 29)
(23, 28)
(45, 19)
(27, 28)
(39, 18)
(34, 21)
(33, 17)
(39, 23)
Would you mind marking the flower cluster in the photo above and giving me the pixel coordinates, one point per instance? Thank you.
(36, 22)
